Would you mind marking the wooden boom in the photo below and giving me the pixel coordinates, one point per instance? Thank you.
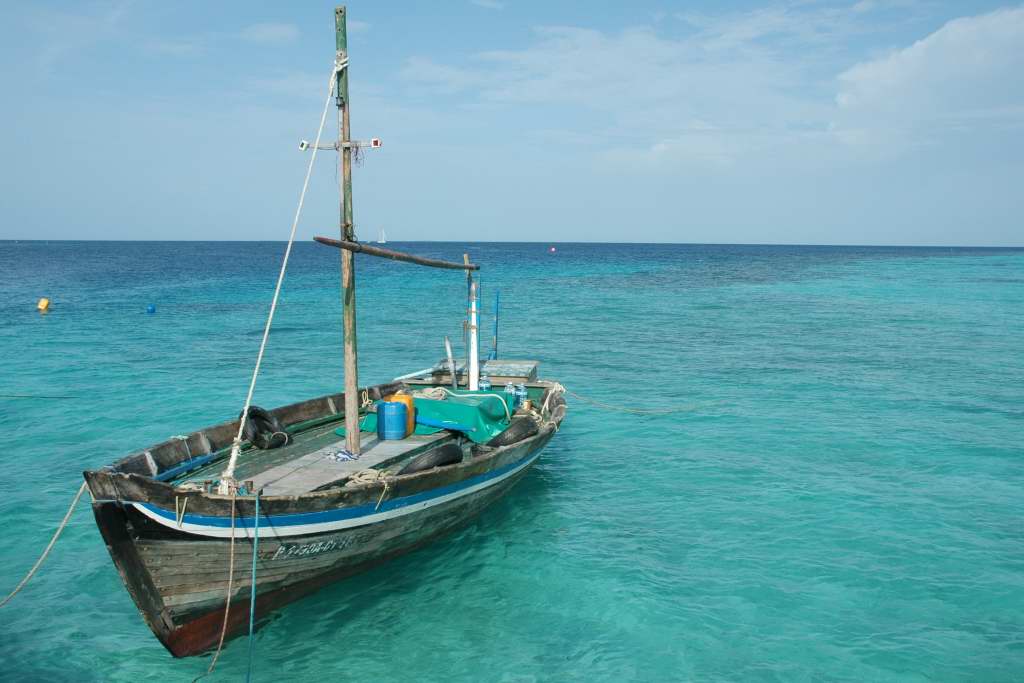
(395, 255)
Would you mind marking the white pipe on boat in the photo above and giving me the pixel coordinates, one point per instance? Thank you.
(418, 373)
(451, 362)
(474, 342)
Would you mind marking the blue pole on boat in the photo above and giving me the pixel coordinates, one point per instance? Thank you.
(497, 307)
(252, 590)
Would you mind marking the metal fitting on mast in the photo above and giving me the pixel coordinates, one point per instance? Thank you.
(340, 64)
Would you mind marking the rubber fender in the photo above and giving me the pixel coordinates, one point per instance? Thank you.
(447, 454)
(263, 430)
(520, 428)
(554, 401)
(478, 449)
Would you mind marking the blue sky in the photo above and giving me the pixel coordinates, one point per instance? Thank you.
(856, 122)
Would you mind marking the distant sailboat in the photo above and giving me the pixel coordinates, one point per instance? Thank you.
(383, 238)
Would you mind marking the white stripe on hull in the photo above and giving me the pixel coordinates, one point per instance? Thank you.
(268, 530)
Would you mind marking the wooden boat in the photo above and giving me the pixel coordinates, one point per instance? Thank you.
(188, 520)
(171, 543)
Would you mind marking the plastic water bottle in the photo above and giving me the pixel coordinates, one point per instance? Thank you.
(521, 394)
(485, 383)
(511, 397)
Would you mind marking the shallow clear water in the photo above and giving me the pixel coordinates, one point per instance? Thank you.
(842, 499)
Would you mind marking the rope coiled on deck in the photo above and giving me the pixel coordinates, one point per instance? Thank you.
(440, 393)
(370, 477)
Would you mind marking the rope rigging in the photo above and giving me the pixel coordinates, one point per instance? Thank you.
(639, 411)
(228, 483)
(252, 588)
(227, 601)
(228, 476)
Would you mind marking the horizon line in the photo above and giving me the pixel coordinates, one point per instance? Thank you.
(691, 244)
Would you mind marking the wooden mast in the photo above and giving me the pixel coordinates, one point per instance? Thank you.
(347, 244)
(348, 274)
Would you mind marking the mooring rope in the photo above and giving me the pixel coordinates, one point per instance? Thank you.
(227, 601)
(227, 477)
(640, 411)
(369, 477)
(47, 398)
(252, 589)
(49, 547)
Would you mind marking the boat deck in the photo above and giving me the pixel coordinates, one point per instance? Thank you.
(311, 461)
(322, 466)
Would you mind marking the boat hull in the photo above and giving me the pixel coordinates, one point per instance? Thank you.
(179, 578)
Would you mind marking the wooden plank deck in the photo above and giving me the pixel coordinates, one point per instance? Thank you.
(320, 467)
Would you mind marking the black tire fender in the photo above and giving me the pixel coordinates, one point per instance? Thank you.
(263, 430)
(447, 454)
(520, 428)
(478, 449)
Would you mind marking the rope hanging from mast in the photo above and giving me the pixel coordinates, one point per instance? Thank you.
(227, 480)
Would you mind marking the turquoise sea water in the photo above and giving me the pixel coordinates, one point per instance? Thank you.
(842, 500)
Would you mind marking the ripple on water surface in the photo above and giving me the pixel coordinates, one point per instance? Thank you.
(842, 501)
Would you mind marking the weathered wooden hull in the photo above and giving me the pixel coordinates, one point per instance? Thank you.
(175, 558)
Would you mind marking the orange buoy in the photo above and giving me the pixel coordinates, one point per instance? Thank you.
(43, 306)
(410, 410)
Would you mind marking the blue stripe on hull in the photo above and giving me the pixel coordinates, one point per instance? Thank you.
(338, 514)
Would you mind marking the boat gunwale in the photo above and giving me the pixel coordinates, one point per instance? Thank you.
(152, 489)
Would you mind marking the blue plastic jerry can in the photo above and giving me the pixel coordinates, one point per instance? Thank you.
(391, 421)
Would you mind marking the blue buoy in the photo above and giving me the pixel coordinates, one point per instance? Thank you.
(151, 309)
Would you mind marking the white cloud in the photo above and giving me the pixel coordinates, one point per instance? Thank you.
(778, 26)
(762, 82)
(176, 47)
(667, 97)
(964, 76)
(441, 77)
(64, 33)
(620, 71)
(300, 85)
(270, 33)
(489, 4)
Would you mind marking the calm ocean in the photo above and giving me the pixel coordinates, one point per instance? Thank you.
(842, 499)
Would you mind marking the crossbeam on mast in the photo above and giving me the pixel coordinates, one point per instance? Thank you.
(353, 246)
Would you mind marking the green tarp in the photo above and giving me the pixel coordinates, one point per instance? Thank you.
(480, 415)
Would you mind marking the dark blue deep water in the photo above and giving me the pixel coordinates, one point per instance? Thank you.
(842, 497)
